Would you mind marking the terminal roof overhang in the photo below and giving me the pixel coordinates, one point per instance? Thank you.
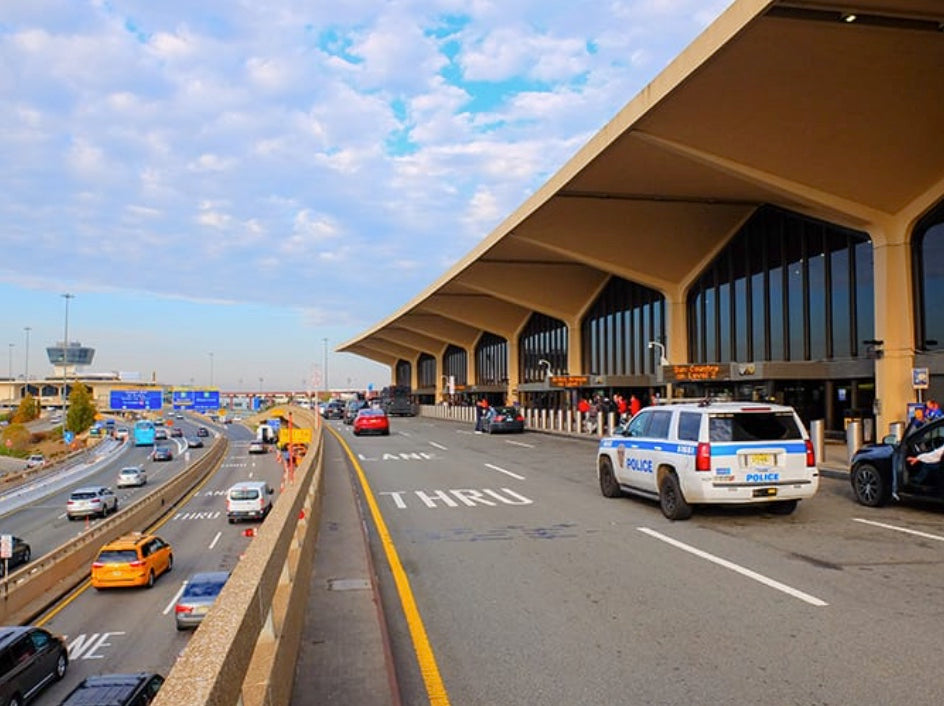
(784, 103)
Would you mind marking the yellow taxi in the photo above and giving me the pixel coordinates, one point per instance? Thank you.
(135, 559)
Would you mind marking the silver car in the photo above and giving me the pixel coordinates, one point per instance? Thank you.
(93, 501)
(131, 476)
(200, 593)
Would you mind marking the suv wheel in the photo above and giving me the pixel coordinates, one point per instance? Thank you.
(608, 485)
(671, 500)
(869, 486)
(783, 507)
(150, 579)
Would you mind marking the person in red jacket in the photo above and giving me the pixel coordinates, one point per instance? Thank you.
(634, 405)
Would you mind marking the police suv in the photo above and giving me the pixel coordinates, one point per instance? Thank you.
(699, 453)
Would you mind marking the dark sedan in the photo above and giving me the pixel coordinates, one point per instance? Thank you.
(503, 419)
(351, 409)
(162, 453)
(882, 471)
(333, 410)
(194, 442)
(20, 554)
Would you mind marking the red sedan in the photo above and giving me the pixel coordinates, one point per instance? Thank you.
(371, 421)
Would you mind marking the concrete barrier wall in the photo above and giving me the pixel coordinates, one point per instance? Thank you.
(28, 591)
(245, 650)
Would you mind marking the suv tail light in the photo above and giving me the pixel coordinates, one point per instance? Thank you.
(703, 457)
(136, 564)
(810, 456)
(97, 564)
(183, 609)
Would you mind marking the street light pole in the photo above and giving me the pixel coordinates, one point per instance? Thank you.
(65, 356)
(10, 374)
(26, 357)
(327, 388)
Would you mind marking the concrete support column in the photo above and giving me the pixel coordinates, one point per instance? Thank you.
(894, 326)
(676, 328)
(574, 340)
(511, 393)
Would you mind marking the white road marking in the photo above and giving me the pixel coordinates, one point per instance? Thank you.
(215, 540)
(502, 470)
(173, 601)
(812, 600)
(520, 443)
(438, 446)
(917, 533)
(404, 433)
(463, 431)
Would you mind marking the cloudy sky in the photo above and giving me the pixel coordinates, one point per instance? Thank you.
(225, 184)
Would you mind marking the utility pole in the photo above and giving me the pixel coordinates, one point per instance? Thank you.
(327, 388)
(65, 356)
(26, 371)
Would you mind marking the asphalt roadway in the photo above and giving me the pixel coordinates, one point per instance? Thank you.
(532, 588)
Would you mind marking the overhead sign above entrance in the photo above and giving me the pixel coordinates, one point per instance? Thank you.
(569, 380)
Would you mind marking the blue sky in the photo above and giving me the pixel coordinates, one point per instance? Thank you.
(224, 184)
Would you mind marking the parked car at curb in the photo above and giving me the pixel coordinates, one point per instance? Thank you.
(879, 472)
(503, 419)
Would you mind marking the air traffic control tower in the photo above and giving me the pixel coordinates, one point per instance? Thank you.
(66, 358)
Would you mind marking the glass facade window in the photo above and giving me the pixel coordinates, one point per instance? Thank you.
(786, 287)
(543, 338)
(618, 327)
(491, 360)
(426, 371)
(404, 372)
(456, 364)
(927, 249)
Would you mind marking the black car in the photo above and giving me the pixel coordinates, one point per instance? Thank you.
(203, 431)
(115, 690)
(162, 453)
(503, 419)
(194, 442)
(21, 555)
(30, 660)
(880, 470)
(334, 410)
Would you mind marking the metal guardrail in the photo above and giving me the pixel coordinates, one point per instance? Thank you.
(26, 592)
(244, 651)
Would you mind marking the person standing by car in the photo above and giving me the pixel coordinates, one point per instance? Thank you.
(481, 409)
(927, 459)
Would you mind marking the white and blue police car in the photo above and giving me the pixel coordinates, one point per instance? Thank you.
(708, 453)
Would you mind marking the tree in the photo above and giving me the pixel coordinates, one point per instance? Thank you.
(27, 411)
(16, 438)
(81, 409)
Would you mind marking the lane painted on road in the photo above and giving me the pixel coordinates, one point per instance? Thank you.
(760, 578)
(503, 470)
(905, 530)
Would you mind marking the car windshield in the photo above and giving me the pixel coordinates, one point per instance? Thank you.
(84, 496)
(118, 556)
(129, 471)
(753, 426)
(509, 411)
(250, 494)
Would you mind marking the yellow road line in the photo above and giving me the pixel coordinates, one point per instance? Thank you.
(435, 688)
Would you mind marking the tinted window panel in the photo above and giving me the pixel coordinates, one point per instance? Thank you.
(689, 426)
(753, 426)
(659, 426)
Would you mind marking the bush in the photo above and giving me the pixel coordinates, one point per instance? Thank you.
(15, 439)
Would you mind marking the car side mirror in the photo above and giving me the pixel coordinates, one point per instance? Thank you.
(890, 439)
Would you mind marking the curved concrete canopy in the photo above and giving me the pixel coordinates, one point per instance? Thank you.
(781, 102)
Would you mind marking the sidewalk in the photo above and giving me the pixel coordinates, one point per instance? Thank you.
(835, 463)
(344, 655)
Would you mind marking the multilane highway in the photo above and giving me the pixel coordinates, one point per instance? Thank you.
(122, 630)
(535, 589)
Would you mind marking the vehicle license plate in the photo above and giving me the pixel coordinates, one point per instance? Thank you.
(761, 459)
(765, 492)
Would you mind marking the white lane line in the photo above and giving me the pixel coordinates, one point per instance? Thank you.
(404, 433)
(438, 446)
(812, 600)
(520, 443)
(215, 540)
(502, 470)
(173, 601)
(916, 533)
(463, 431)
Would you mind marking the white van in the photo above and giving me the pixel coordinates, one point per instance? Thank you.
(249, 500)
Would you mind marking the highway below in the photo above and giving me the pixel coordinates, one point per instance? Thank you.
(534, 589)
(133, 629)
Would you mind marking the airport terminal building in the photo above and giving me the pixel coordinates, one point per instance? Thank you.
(765, 220)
